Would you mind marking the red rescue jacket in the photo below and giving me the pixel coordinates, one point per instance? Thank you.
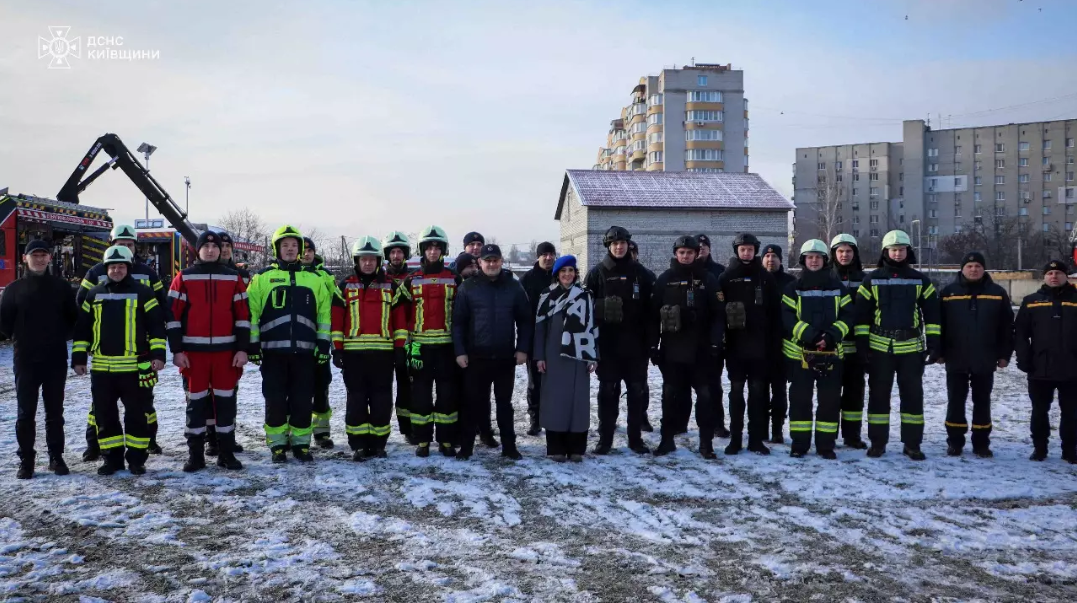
(427, 296)
(209, 310)
(364, 317)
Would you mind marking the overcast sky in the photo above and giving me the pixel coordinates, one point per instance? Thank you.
(364, 117)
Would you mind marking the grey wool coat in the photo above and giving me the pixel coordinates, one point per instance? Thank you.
(565, 405)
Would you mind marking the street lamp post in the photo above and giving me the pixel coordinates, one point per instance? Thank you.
(147, 149)
(187, 200)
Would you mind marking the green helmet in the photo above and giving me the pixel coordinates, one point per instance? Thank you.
(123, 231)
(118, 254)
(814, 246)
(366, 246)
(396, 239)
(896, 238)
(287, 232)
(433, 234)
(843, 239)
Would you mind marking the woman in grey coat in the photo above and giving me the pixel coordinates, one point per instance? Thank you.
(566, 350)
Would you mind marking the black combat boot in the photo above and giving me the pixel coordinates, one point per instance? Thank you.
(983, 452)
(734, 446)
(758, 447)
(953, 450)
(280, 455)
(706, 448)
(26, 467)
(227, 458)
(196, 458)
(302, 454)
(876, 451)
(57, 464)
(913, 453)
(666, 446)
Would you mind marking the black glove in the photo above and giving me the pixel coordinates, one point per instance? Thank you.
(656, 356)
(338, 358)
(254, 354)
(400, 357)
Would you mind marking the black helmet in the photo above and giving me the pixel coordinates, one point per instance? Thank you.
(745, 238)
(688, 241)
(616, 233)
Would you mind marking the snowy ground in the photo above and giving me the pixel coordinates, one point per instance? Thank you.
(618, 528)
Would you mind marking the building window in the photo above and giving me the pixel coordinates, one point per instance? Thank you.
(1069, 226)
(703, 155)
(932, 213)
(655, 137)
(1069, 176)
(932, 167)
(856, 219)
(656, 99)
(717, 135)
(1046, 227)
(1046, 194)
(932, 198)
(839, 177)
(820, 166)
(1022, 162)
(1000, 147)
(1069, 143)
(654, 119)
(977, 149)
(1069, 193)
(874, 163)
(707, 170)
(874, 205)
(1023, 178)
(704, 116)
(1000, 164)
(1047, 145)
(639, 128)
(874, 176)
(701, 80)
(932, 152)
(1045, 161)
(873, 192)
(901, 218)
(1000, 195)
(875, 232)
(856, 232)
(978, 180)
(957, 182)
(1047, 176)
(856, 177)
(976, 198)
(1022, 146)
(1046, 210)
(856, 163)
(957, 152)
(901, 176)
(856, 207)
(979, 165)
(1023, 211)
(874, 219)
(901, 190)
(840, 219)
(837, 165)
(1069, 160)
(1026, 196)
(1000, 180)
(1000, 210)
(856, 191)
(656, 157)
(704, 96)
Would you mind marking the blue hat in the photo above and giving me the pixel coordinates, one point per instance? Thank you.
(565, 260)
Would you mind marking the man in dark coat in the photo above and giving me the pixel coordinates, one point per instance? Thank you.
(535, 282)
(633, 250)
(706, 259)
(38, 311)
(977, 339)
(622, 289)
(779, 400)
(492, 330)
(752, 340)
(1045, 337)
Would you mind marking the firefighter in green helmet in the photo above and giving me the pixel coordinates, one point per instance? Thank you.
(845, 259)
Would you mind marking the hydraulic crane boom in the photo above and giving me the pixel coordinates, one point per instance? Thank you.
(122, 158)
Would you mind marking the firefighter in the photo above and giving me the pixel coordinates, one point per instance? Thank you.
(209, 337)
(428, 297)
(778, 402)
(396, 251)
(716, 269)
(120, 325)
(633, 250)
(366, 330)
(535, 282)
(323, 373)
(977, 339)
(290, 337)
(817, 312)
(228, 259)
(1045, 336)
(845, 257)
(896, 304)
(685, 337)
(125, 236)
(622, 293)
(753, 337)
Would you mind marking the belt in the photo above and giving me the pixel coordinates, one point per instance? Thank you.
(898, 334)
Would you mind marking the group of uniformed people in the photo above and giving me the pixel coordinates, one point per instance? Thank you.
(450, 333)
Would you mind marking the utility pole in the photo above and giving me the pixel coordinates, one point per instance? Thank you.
(187, 200)
(147, 149)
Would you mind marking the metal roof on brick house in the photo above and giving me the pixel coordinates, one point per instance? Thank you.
(671, 190)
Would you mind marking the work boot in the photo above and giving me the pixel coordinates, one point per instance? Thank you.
(721, 432)
(302, 454)
(876, 451)
(447, 449)
(533, 429)
(463, 455)
(57, 464)
(827, 454)
(758, 447)
(602, 448)
(983, 452)
(489, 440)
(913, 453)
(646, 425)
(953, 450)
(153, 448)
(1039, 453)
(639, 448)
(776, 436)
(734, 446)
(510, 452)
(666, 446)
(422, 450)
(575, 458)
(110, 466)
(1070, 456)
(196, 458)
(359, 456)
(139, 469)
(324, 441)
(26, 467)
(856, 444)
(797, 454)
(280, 455)
(92, 453)
(227, 459)
(559, 458)
(237, 447)
(706, 449)
(212, 448)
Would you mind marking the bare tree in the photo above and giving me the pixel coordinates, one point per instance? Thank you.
(247, 226)
(828, 192)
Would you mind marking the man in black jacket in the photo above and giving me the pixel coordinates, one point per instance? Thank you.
(1045, 337)
(535, 282)
(685, 337)
(707, 261)
(38, 311)
(977, 339)
(752, 339)
(492, 330)
(779, 401)
(633, 250)
(847, 267)
(622, 292)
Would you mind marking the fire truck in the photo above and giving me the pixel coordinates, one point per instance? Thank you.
(77, 234)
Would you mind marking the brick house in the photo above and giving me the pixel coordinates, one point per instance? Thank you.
(658, 207)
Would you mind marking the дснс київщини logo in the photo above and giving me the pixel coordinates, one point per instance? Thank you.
(59, 47)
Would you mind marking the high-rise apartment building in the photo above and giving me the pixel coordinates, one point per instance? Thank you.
(690, 119)
(950, 179)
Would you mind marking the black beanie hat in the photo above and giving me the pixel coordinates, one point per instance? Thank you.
(207, 237)
(772, 248)
(464, 260)
(704, 240)
(545, 247)
(471, 237)
(1055, 265)
(308, 243)
(974, 256)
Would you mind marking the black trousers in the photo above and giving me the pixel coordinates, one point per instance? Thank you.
(321, 412)
(779, 402)
(1042, 393)
(48, 378)
(852, 397)
(439, 372)
(611, 372)
(678, 377)
(909, 369)
(481, 373)
(566, 442)
(483, 407)
(684, 404)
(146, 395)
(957, 391)
(403, 396)
(802, 384)
(113, 437)
(754, 374)
(288, 389)
(368, 377)
(534, 390)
